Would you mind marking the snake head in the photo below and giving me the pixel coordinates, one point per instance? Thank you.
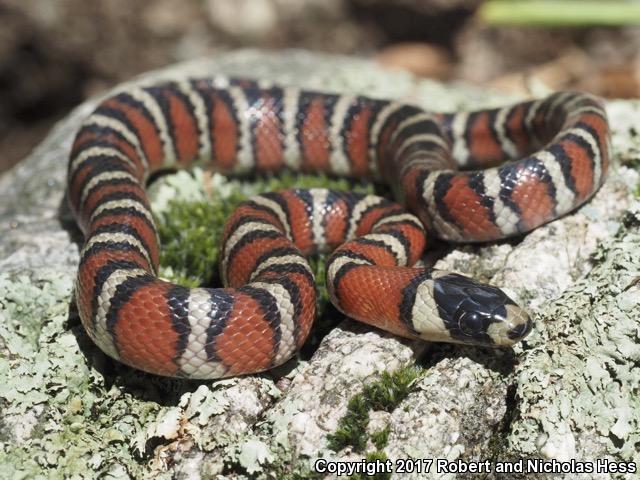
(479, 314)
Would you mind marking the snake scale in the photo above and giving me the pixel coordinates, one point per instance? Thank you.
(467, 177)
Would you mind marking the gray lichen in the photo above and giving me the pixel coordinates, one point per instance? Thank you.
(579, 392)
(569, 391)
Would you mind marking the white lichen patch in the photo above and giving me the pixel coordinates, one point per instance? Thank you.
(254, 455)
(457, 406)
(577, 383)
(317, 398)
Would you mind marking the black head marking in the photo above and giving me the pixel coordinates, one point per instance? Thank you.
(478, 313)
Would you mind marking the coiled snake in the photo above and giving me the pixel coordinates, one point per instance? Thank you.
(560, 148)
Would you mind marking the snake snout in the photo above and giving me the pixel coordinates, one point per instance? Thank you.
(518, 325)
(480, 314)
(520, 331)
(510, 323)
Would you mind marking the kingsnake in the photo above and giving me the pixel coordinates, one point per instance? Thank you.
(266, 310)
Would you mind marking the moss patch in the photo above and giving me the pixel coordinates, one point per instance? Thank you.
(381, 437)
(385, 395)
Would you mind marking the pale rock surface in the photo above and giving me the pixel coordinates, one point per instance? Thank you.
(566, 392)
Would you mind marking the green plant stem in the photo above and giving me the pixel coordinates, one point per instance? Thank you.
(563, 13)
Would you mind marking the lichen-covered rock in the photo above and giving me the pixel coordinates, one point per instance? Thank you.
(567, 392)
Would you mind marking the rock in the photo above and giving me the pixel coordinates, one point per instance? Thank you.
(565, 392)
(421, 59)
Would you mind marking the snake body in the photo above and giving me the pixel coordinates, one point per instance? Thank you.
(449, 168)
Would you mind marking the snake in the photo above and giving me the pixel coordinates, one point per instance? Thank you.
(474, 176)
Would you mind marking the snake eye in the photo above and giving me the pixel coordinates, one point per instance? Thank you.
(470, 323)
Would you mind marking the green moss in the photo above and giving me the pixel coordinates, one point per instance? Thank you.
(384, 394)
(391, 389)
(381, 437)
(352, 428)
(296, 180)
(189, 233)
